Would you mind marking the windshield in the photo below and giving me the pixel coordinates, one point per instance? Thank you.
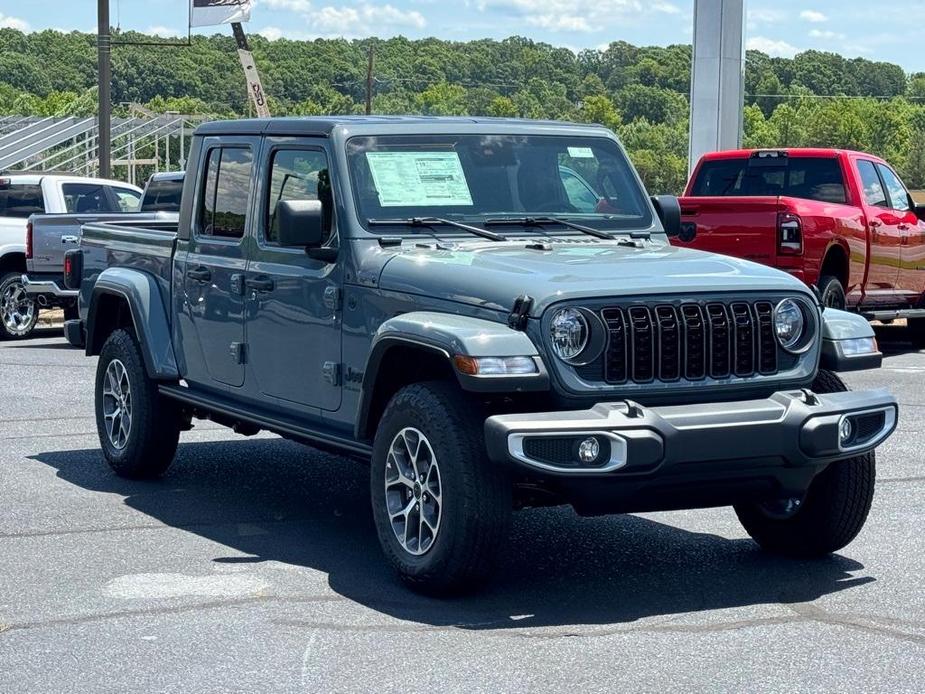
(475, 178)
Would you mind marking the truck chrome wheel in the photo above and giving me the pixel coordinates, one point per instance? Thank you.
(413, 491)
(17, 310)
(117, 404)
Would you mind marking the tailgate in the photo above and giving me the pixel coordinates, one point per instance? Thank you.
(745, 227)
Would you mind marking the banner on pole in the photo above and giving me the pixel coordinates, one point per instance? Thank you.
(210, 12)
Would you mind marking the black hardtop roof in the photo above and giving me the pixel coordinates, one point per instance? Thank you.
(324, 125)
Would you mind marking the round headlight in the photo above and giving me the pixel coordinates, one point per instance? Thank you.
(568, 331)
(789, 323)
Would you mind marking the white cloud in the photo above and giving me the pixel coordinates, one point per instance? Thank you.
(350, 21)
(826, 34)
(758, 17)
(165, 32)
(271, 33)
(579, 15)
(777, 49)
(13, 23)
(813, 16)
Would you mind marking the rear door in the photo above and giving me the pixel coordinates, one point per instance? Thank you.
(211, 319)
(885, 238)
(292, 301)
(911, 277)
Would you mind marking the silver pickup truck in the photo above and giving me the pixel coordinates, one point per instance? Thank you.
(48, 238)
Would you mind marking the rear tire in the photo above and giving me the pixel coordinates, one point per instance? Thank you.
(832, 293)
(916, 328)
(832, 512)
(18, 313)
(138, 428)
(466, 506)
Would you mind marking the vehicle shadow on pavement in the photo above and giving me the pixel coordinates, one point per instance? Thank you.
(273, 500)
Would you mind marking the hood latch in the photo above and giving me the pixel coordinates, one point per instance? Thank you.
(517, 320)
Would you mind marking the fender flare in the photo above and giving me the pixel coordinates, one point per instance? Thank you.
(140, 292)
(448, 335)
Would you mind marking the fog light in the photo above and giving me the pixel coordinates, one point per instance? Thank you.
(589, 450)
(845, 431)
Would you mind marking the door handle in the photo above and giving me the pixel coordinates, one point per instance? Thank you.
(260, 284)
(874, 223)
(199, 274)
(902, 226)
(70, 239)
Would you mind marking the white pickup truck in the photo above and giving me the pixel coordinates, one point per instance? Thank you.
(23, 195)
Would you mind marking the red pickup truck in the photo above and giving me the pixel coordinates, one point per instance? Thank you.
(841, 221)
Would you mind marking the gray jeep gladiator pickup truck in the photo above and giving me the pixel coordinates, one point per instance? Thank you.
(441, 299)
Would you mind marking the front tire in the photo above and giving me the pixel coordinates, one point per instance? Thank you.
(18, 312)
(831, 513)
(442, 509)
(138, 428)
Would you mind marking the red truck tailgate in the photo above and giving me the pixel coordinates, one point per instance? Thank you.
(743, 226)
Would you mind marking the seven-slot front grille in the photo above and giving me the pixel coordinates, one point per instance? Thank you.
(689, 341)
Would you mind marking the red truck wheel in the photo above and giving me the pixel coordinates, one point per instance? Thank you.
(832, 292)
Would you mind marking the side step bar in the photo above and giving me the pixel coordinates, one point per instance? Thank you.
(285, 427)
(894, 315)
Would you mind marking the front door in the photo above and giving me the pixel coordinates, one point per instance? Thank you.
(885, 248)
(292, 302)
(911, 279)
(212, 264)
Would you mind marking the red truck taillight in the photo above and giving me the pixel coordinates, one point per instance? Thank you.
(28, 240)
(789, 234)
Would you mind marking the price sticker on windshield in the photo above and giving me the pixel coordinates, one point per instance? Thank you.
(581, 153)
(419, 179)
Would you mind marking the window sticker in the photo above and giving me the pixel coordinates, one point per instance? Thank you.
(581, 153)
(419, 179)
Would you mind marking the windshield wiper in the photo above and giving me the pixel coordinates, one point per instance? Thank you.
(544, 221)
(434, 221)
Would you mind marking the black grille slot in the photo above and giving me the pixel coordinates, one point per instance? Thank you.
(689, 341)
(669, 344)
(767, 342)
(695, 342)
(867, 426)
(744, 331)
(615, 364)
(642, 337)
(719, 340)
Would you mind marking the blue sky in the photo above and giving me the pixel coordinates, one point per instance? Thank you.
(876, 29)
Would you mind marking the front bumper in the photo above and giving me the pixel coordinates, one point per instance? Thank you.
(47, 288)
(788, 429)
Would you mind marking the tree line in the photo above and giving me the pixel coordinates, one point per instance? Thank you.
(814, 99)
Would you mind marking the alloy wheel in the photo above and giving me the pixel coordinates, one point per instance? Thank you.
(117, 404)
(413, 491)
(17, 310)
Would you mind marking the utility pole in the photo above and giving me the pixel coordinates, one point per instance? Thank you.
(104, 121)
(369, 77)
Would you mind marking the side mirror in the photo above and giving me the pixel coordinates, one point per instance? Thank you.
(300, 223)
(919, 211)
(668, 210)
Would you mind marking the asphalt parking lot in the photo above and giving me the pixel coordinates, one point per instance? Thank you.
(253, 566)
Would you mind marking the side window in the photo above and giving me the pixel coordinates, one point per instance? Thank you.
(899, 196)
(223, 208)
(127, 199)
(870, 181)
(579, 193)
(297, 174)
(86, 197)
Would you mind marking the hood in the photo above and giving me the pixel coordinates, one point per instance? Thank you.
(492, 275)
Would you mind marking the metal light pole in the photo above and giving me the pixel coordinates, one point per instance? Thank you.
(104, 49)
